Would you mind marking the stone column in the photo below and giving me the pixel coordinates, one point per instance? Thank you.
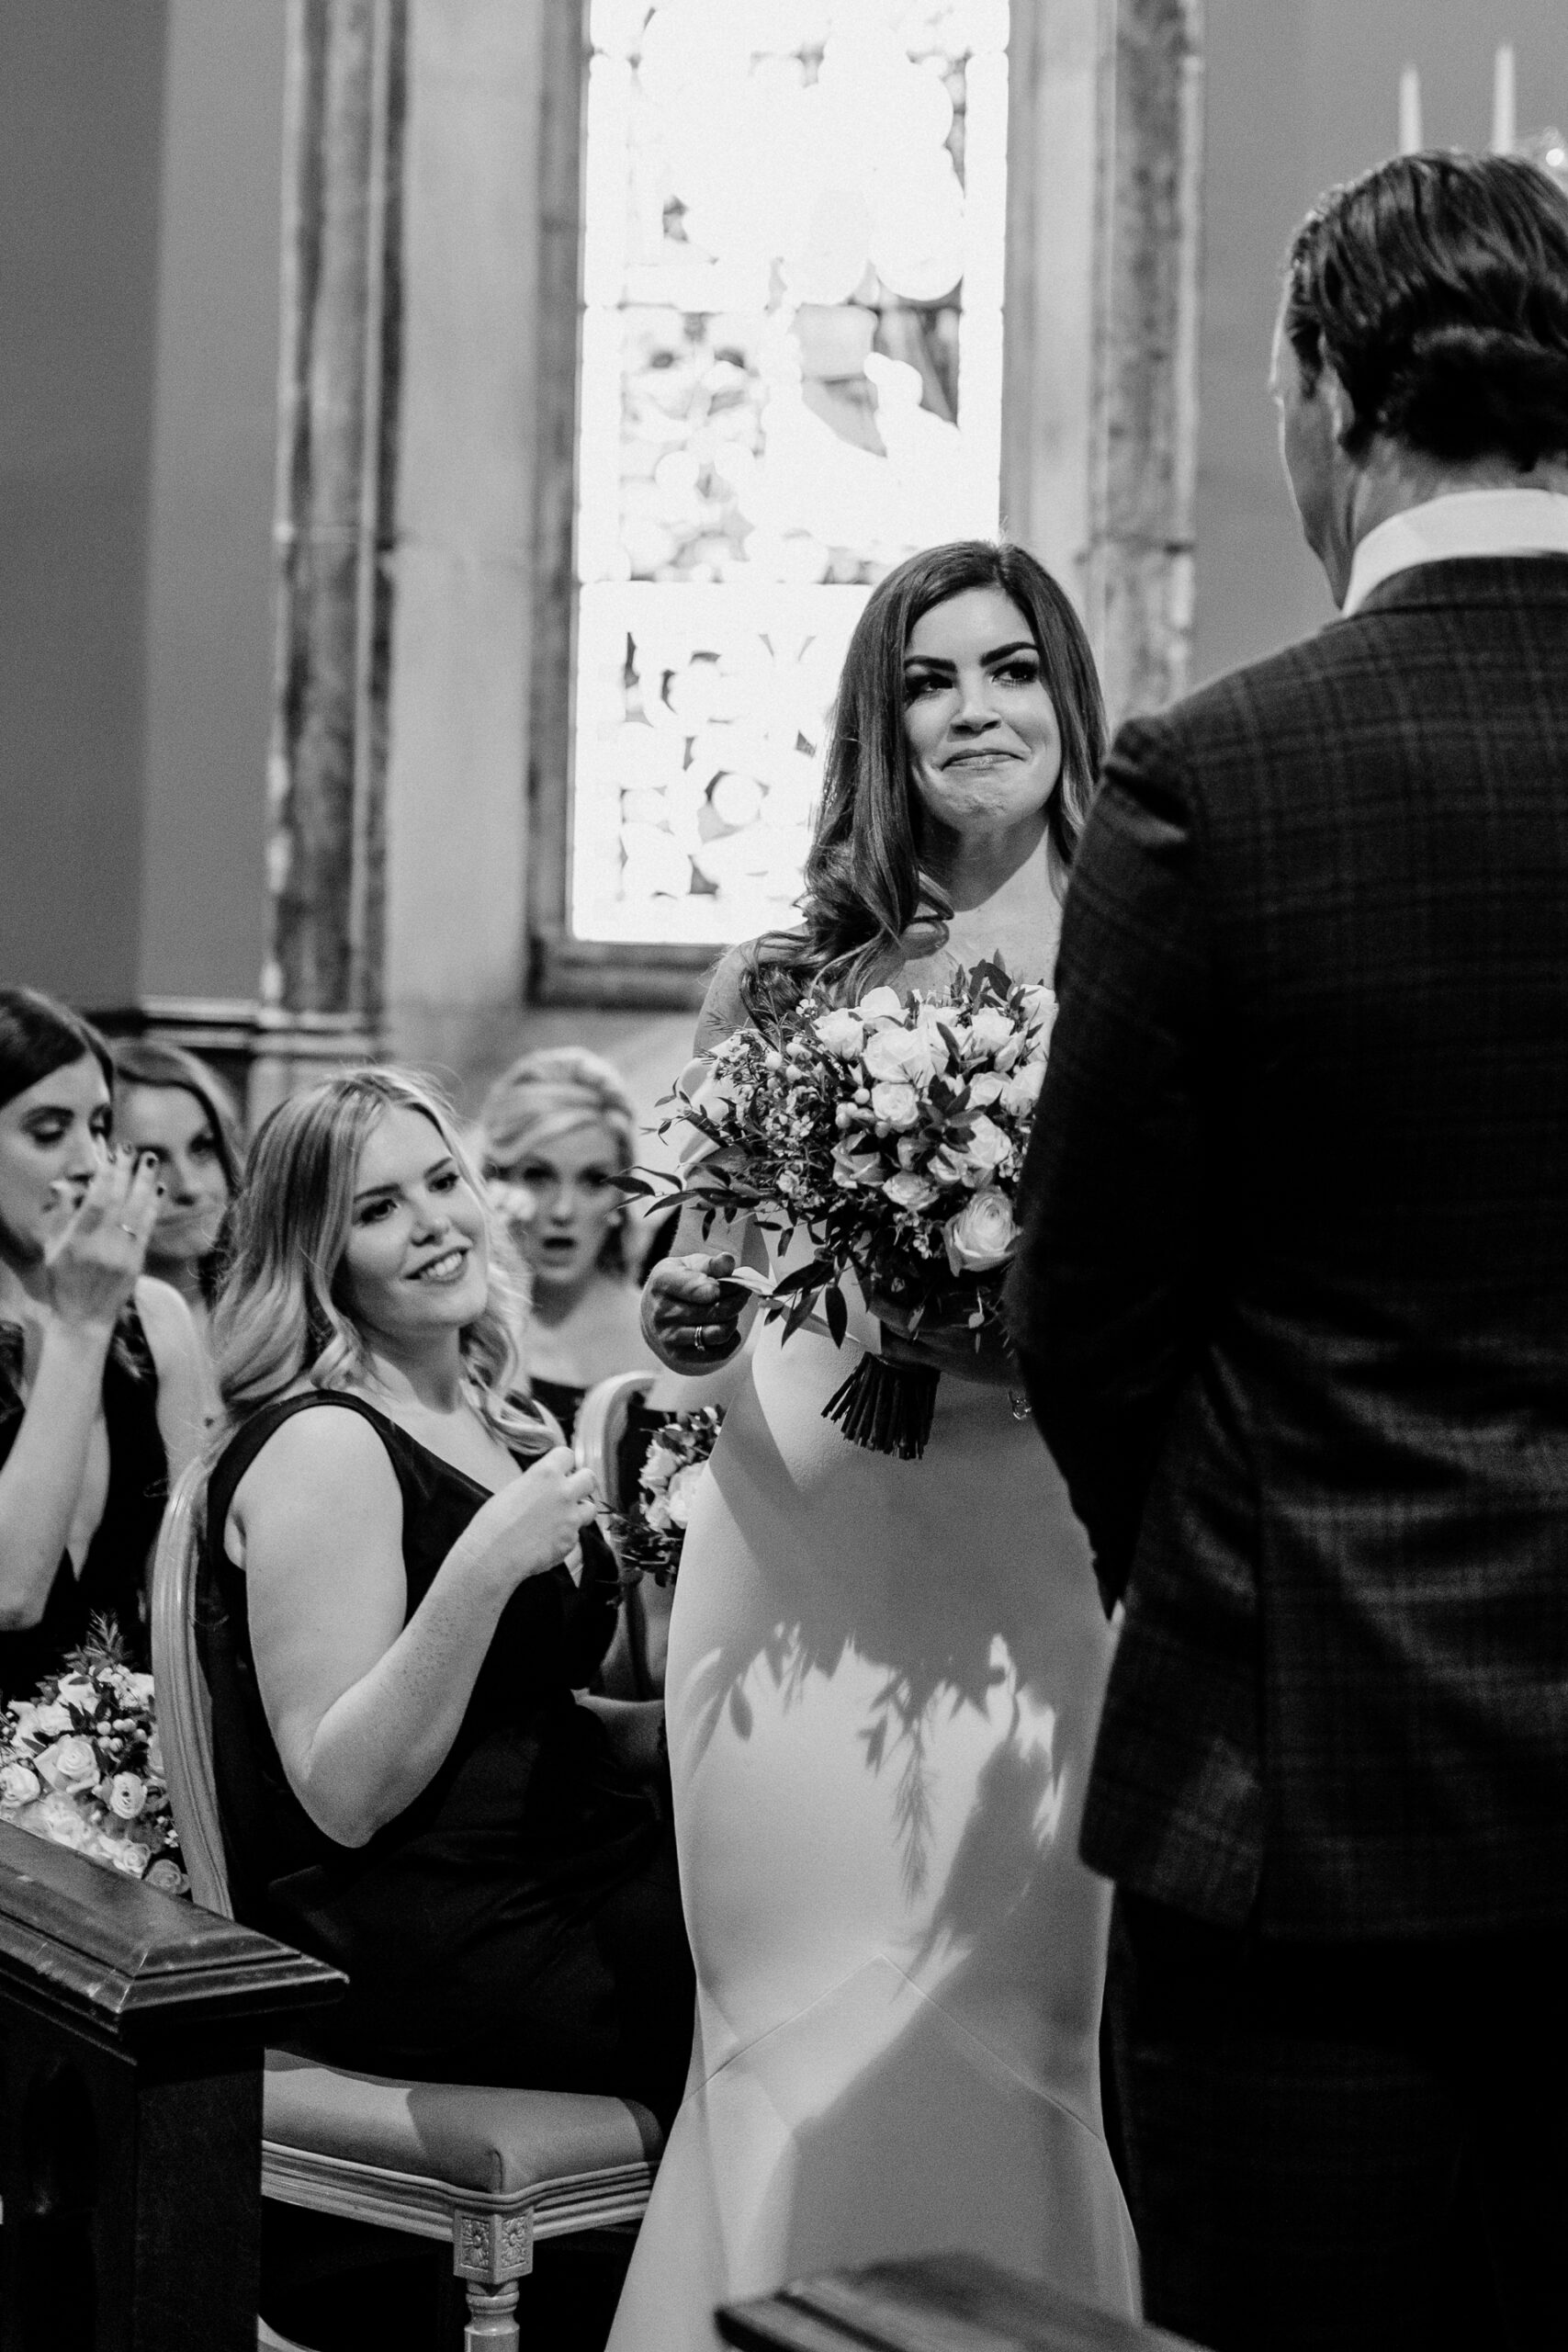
(1060, 81)
(1139, 601)
(486, 336)
(1100, 427)
(321, 981)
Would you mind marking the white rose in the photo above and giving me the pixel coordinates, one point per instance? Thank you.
(131, 1857)
(982, 1235)
(657, 1517)
(930, 1019)
(56, 1818)
(900, 1054)
(139, 1690)
(168, 1876)
(49, 1721)
(1040, 1008)
(69, 1765)
(985, 1087)
(881, 1004)
(989, 1028)
(661, 1466)
(844, 1032)
(988, 1146)
(909, 1190)
(896, 1103)
(682, 1492)
(24, 1721)
(127, 1794)
(852, 1165)
(1021, 1091)
(19, 1784)
(945, 1166)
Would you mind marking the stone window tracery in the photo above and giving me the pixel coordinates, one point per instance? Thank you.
(791, 378)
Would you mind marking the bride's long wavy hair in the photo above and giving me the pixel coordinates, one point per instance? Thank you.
(866, 888)
(281, 1315)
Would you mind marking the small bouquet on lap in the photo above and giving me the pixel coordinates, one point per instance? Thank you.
(891, 1134)
(81, 1766)
(650, 1534)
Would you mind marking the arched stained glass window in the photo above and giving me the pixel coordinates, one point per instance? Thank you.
(790, 379)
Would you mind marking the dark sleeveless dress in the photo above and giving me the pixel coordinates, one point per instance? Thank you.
(564, 1399)
(113, 1581)
(519, 1922)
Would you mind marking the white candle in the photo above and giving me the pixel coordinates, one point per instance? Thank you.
(1504, 128)
(1409, 111)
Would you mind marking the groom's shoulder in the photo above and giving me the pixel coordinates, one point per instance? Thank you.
(1263, 703)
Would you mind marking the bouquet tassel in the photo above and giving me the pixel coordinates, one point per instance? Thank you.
(885, 1408)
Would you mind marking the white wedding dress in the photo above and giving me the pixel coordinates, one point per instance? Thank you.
(882, 1683)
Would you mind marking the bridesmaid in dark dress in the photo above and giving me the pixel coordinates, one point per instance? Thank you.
(409, 1784)
(101, 1386)
(556, 1131)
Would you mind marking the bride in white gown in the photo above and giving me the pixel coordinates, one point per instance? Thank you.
(883, 1676)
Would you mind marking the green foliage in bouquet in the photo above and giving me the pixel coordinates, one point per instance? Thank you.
(80, 1764)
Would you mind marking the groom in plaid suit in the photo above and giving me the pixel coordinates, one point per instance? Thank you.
(1293, 1306)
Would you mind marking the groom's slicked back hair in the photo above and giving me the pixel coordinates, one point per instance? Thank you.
(1436, 286)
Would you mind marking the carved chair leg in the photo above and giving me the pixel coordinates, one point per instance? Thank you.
(493, 2318)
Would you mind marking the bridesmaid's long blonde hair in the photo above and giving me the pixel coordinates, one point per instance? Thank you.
(281, 1318)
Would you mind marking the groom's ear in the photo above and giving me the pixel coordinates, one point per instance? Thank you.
(1338, 400)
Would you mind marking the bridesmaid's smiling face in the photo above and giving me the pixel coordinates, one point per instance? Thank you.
(417, 1260)
(985, 748)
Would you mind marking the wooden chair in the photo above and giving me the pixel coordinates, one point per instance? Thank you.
(488, 2171)
(601, 1425)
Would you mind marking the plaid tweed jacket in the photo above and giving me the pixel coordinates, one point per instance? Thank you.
(1292, 1297)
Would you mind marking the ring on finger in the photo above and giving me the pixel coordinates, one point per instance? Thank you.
(130, 1229)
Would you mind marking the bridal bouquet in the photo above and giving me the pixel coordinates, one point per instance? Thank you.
(80, 1765)
(650, 1534)
(892, 1134)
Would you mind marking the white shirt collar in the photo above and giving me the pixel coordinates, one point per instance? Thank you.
(1462, 523)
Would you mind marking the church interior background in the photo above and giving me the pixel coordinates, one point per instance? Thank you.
(446, 444)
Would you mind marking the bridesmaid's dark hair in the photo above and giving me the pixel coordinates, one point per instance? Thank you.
(865, 886)
(39, 1035)
(150, 1061)
(153, 1062)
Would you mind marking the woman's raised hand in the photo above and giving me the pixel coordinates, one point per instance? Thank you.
(531, 1524)
(691, 1319)
(94, 1263)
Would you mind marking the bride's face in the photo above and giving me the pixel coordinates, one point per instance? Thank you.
(985, 748)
